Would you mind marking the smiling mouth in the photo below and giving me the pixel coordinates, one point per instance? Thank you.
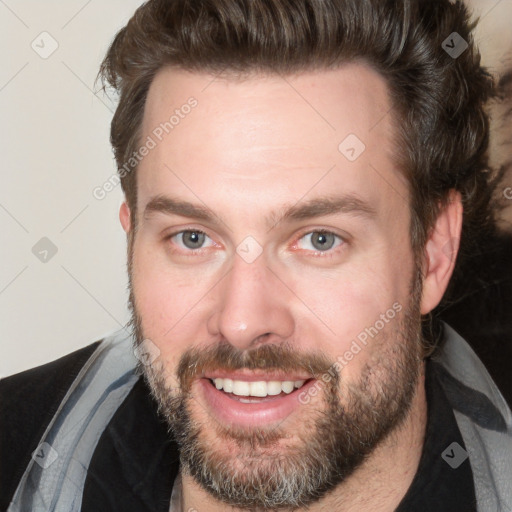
(256, 391)
(250, 400)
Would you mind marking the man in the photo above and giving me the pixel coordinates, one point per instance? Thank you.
(299, 178)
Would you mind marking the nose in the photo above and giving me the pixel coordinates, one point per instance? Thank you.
(251, 306)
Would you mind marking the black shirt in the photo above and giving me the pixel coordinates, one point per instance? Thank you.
(440, 484)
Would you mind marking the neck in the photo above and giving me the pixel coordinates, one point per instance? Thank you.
(379, 484)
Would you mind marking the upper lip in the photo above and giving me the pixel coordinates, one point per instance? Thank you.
(252, 376)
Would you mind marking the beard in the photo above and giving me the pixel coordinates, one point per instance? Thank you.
(262, 470)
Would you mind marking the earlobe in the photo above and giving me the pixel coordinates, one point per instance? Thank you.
(441, 252)
(125, 217)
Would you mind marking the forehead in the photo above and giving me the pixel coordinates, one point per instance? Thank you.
(269, 138)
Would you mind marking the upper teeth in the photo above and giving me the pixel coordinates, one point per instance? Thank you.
(259, 388)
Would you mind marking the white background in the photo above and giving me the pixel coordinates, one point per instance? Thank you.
(54, 140)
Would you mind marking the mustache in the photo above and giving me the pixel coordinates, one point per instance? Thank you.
(196, 361)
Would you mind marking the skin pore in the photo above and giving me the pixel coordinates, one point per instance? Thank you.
(329, 253)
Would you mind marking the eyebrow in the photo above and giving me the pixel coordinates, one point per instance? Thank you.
(170, 206)
(318, 207)
(324, 206)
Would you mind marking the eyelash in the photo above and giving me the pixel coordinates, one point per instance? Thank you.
(330, 253)
(316, 254)
(188, 252)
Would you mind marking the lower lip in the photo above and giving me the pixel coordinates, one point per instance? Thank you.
(232, 412)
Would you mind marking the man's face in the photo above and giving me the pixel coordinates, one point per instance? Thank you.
(272, 251)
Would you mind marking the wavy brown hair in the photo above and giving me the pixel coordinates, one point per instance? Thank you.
(441, 125)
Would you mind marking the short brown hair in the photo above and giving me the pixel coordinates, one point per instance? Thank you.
(442, 128)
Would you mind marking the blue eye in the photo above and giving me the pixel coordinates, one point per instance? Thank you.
(191, 239)
(322, 241)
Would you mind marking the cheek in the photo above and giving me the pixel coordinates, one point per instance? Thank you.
(167, 302)
(356, 304)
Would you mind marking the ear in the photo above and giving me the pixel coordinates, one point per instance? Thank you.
(124, 217)
(441, 252)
